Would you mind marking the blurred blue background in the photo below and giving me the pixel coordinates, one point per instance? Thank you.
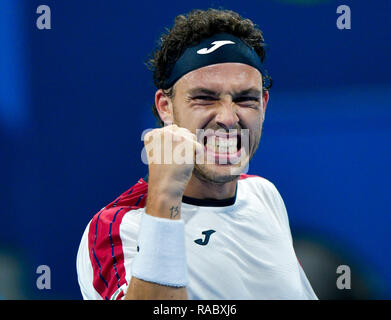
(75, 99)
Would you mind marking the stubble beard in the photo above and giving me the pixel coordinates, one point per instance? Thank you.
(207, 175)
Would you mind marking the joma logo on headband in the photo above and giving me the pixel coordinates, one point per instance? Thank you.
(216, 45)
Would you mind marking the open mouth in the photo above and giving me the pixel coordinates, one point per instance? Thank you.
(223, 148)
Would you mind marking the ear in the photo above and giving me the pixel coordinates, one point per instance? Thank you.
(265, 100)
(164, 107)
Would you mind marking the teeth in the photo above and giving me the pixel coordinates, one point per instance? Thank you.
(221, 145)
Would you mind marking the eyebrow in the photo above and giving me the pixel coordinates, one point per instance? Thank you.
(234, 94)
(201, 90)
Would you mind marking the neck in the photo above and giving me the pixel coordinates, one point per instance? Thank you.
(200, 189)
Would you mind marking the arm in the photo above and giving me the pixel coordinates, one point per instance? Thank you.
(140, 289)
(143, 290)
(166, 185)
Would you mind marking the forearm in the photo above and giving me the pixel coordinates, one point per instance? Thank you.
(162, 206)
(143, 290)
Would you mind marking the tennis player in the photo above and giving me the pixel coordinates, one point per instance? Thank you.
(197, 227)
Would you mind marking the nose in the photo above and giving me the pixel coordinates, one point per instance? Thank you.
(226, 116)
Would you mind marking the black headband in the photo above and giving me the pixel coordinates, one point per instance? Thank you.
(220, 48)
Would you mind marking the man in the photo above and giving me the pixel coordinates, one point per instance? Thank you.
(199, 229)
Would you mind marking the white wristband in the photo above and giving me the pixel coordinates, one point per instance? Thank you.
(162, 252)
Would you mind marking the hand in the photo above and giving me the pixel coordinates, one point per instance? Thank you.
(171, 153)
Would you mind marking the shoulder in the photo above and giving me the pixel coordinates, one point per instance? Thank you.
(264, 191)
(128, 202)
(125, 207)
(135, 196)
(257, 184)
(111, 230)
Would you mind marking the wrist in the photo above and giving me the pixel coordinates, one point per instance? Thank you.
(167, 186)
(164, 206)
(161, 258)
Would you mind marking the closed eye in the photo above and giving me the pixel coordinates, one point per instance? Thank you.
(244, 99)
(205, 98)
(248, 102)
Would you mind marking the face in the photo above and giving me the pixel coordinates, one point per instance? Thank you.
(223, 100)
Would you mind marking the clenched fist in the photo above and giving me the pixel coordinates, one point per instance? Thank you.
(171, 153)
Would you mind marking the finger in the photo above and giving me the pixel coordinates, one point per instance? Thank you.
(199, 147)
(188, 133)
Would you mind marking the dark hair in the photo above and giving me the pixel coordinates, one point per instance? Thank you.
(190, 29)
